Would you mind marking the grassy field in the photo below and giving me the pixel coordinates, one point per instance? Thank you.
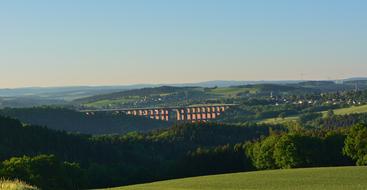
(15, 185)
(350, 110)
(107, 102)
(340, 178)
(341, 111)
(279, 120)
(232, 91)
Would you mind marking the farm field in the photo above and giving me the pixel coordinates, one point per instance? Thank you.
(334, 178)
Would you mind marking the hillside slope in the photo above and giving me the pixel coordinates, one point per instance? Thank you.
(73, 121)
(340, 111)
(174, 96)
(338, 178)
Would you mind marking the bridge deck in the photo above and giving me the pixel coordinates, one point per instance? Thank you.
(158, 108)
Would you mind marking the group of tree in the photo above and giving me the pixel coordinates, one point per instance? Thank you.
(339, 121)
(44, 170)
(356, 144)
(65, 119)
(59, 160)
(298, 150)
(113, 160)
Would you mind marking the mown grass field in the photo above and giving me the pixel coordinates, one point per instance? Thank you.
(15, 185)
(338, 178)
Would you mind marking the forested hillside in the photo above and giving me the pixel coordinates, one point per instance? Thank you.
(100, 161)
(85, 161)
(73, 121)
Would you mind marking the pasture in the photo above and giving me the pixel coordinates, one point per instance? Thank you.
(334, 178)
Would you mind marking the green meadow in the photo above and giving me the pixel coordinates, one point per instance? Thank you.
(232, 91)
(106, 102)
(350, 110)
(337, 178)
(340, 111)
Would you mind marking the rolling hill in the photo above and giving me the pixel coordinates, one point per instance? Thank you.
(173, 96)
(102, 96)
(337, 178)
(340, 111)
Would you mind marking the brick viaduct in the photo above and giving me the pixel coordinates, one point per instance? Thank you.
(194, 113)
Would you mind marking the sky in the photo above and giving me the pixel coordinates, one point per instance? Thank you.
(120, 42)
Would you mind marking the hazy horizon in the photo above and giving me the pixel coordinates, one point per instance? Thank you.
(97, 43)
(185, 83)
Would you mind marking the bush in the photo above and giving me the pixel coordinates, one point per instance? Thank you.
(307, 117)
(44, 171)
(295, 150)
(262, 153)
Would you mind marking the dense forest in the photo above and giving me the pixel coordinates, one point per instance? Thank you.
(65, 119)
(180, 151)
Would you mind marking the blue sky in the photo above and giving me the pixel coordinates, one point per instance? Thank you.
(108, 42)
